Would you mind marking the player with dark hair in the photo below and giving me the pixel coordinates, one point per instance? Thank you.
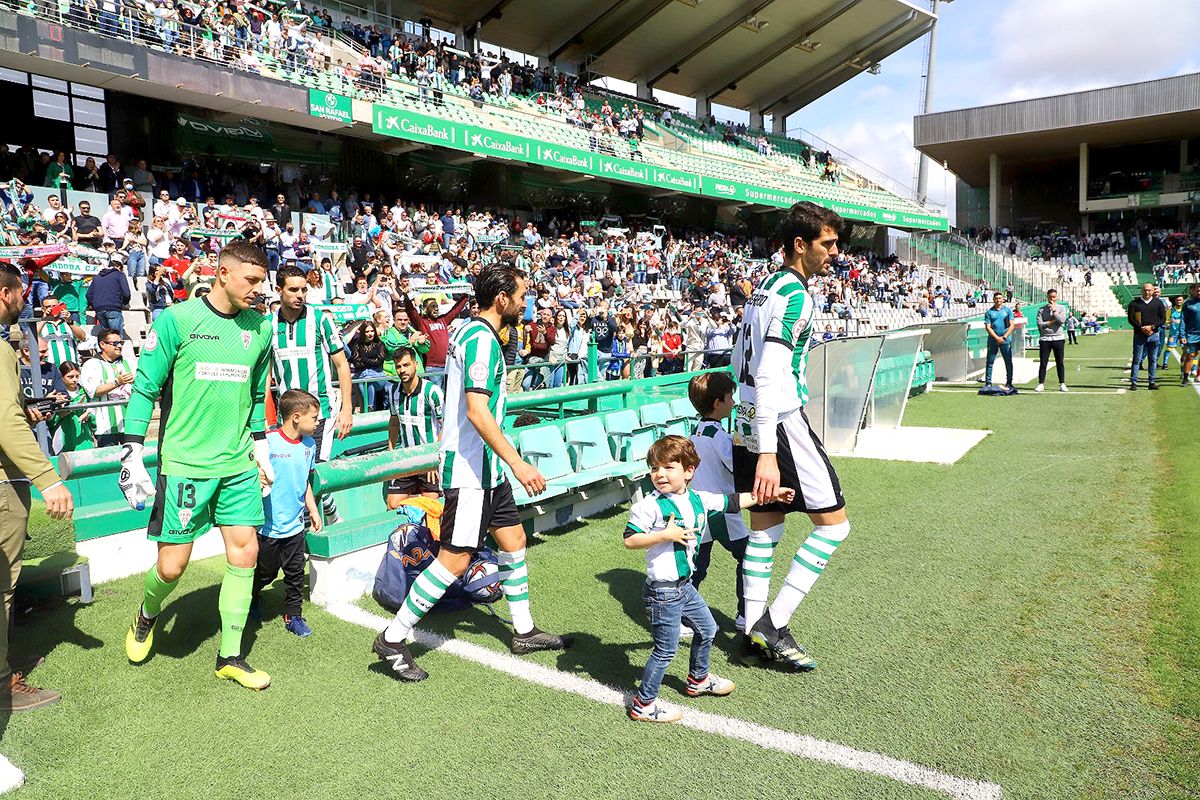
(479, 498)
(415, 421)
(774, 445)
(306, 354)
(208, 359)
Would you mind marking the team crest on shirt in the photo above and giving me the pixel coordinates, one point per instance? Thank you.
(246, 337)
(151, 341)
(185, 516)
(478, 372)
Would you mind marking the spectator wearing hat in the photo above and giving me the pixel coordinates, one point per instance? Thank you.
(109, 293)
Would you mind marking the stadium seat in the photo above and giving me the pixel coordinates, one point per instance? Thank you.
(588, 445)
(681, 409)
(544, 448)
(630, 439)
(659, 415)
(519, 494)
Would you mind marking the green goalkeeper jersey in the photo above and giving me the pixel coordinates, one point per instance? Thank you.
(211, 371)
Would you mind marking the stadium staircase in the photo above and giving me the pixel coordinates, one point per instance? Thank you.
(1030, 278)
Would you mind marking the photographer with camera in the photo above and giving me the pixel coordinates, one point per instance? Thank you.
(60, 331)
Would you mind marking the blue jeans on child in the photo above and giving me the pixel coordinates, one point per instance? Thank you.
(668, 604)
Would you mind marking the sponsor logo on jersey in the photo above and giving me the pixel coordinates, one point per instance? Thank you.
(232, 373)
(478, 372)
(151, 341)
(208, 337)
(246, 337)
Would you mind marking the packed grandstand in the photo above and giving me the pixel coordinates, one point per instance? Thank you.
(418, 322)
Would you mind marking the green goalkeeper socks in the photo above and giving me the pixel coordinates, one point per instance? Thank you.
(234, 605)
(155, 591)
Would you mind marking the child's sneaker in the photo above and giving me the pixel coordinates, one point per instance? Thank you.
(685, 632)
(710, 684)
(654, 711)
(297, 625)
(740, 623)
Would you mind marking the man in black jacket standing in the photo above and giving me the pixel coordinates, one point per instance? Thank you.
(281, 211)
(1147, 315)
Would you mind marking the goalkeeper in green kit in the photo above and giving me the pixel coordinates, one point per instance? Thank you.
(208, 359)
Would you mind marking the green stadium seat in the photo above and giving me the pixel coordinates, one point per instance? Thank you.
(520, 495)
(681, 408)
(630, 439)
(544, 448)
(664, 420)
(587, 442)
(657, 415)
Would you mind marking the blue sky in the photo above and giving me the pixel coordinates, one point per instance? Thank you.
(992, 51)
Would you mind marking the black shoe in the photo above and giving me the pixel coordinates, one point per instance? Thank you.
(536, 640)
(781, 644)
(399, 659)
(1153, 386)
(1133, 387)
(752, 653)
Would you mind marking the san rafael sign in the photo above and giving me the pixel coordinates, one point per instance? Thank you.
(327, 105)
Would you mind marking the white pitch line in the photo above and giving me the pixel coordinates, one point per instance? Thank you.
(1049, 391)
(795, 744)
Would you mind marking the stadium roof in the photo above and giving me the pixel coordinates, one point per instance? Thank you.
(773, 56)
(1049, 127)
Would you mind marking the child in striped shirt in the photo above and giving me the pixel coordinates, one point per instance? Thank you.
(665, 524)
(711, 394)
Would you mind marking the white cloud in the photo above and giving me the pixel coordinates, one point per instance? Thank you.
(1044, 48)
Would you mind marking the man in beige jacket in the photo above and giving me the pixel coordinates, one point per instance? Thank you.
(22, 463)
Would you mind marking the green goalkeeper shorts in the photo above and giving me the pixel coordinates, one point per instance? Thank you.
(186, 508)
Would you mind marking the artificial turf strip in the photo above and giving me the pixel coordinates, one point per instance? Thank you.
(994, 619)
(333, 725)
(1175, 653)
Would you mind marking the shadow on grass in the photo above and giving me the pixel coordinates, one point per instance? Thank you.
(187, 620)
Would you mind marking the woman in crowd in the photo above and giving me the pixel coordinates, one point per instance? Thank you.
(75, 430)
(577, 349)
(644, 368)
(559, 350)
(366, 361)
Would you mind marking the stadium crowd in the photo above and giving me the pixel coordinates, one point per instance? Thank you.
(653, 302)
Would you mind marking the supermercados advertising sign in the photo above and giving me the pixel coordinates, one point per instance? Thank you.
(417, 127)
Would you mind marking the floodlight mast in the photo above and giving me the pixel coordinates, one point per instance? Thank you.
(927, 101)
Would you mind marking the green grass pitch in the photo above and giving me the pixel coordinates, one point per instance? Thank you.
(1029, 617)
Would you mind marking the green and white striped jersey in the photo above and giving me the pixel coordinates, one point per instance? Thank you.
(332, 286)
(96, 372)
(419, 414)
(300, 353)
(771, 357)
(668, 561)
(61, 341)
(474, 363)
